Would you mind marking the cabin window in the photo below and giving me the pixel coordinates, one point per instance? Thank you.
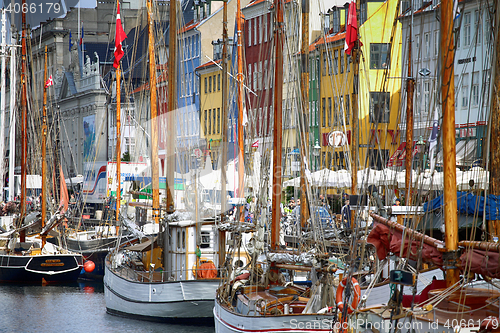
(379, 55)
(178, 239)
(205, 240)
(379, 107)
(183, 239)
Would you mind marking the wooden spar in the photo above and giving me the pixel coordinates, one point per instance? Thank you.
(118, 142)
(355, 119)
(485, 246)
(155, 178)
(24, 128)
(304, 89)
(222, 233)
(277, 132)
(448, 105)
(410, 81)
(415, 234)
(494, 167)
(172, 106)
(239, 79)
(43, 200)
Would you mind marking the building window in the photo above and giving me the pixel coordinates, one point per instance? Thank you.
(329, 111)
(479, 30)
(336, 110)
(347, 109)
(379, 107)
(323, 121)
(324, 64)
(209, 121)
(218, 120)
(266, 77)
(255, 31)
(218, 82)
(323, 160)
(379, 55)
(249, 32)
(210, 84)
(486, 87)
(214, 123)
(336, 62)
(465, 90)
(260, 83)
(427, 42)
(427, 96)
(260, 30)
(265, 28)
(341, 63)
(206, 85)
(475, 89)
(466, 29)
(436, 43)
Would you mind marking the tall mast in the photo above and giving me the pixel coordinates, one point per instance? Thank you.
(12, 131)
(2, 102)
(118, 142)
(24, 128)
(448, 105)
(355, 119)
(239, 79)
(44, 149)
(277, 132)
(172, 105)
(494, 226)
(155, 178)
(409, 122)
(304, 88)
(222, 234)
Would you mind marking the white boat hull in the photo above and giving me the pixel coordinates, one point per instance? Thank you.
(159, 301)
(231, 322)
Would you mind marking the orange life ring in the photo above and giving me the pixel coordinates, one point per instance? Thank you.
(355, 300)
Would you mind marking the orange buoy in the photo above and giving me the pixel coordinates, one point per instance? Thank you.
(340, 291)
(89, 266)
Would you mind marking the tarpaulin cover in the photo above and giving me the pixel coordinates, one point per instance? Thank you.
(386, 240)
(207, 270)
(481, 262)
(470, 204)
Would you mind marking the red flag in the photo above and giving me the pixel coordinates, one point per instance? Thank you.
(255, 144)
(49, 82)
(119, 38)
(351, 35)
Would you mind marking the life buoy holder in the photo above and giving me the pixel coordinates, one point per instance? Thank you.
(355, 300)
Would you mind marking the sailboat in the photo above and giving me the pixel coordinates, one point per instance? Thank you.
(31, 259)
(162, 278)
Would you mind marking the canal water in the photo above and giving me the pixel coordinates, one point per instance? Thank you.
(78, 307)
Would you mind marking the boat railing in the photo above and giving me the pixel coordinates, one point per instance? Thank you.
(140, 274)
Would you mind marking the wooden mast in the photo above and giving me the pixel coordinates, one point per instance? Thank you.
(494, 225)
(24, 127)
(409, 124)
(277, 132)
(355, 119)
(118, 142)
(222, 234)
(239, 79)
(304, 88)
(172, 105)
(155, 178)
(448, 105)
(43, 200)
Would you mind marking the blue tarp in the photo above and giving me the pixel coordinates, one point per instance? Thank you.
(470, 204)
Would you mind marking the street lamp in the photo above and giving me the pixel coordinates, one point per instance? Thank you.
(316, 150)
